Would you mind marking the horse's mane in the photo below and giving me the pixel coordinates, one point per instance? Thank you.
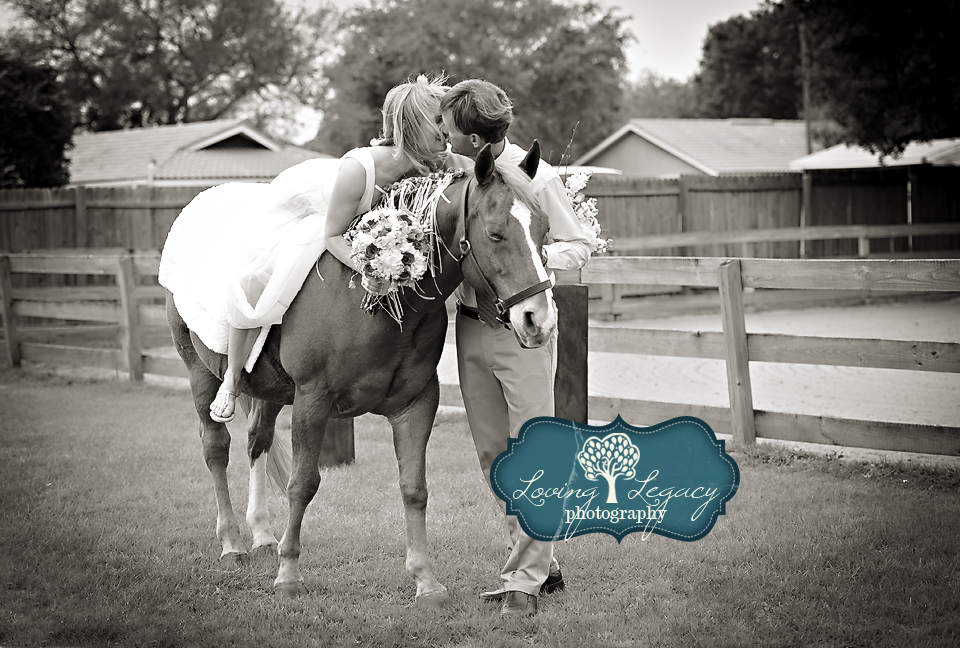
(517, 179)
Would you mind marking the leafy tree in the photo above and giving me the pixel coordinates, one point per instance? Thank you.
(656, 96)
(887, 76)
(128, 63)
(36, 128)
(751, 66)
(561, 64)
(612, 457)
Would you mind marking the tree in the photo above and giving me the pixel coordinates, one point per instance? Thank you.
(656, 96)
(612, 457)
(888, 77)
(129, 63)
(751, 66)
(885, 77)
(560, 63)
(36, 128)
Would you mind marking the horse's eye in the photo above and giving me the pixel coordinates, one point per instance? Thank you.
(496, 238)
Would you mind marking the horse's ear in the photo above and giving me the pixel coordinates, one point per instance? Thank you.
(483, 169)
(532, 160)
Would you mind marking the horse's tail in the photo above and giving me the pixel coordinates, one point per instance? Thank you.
(280, 461)
(280, 454)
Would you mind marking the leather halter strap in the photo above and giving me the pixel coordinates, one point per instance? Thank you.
(474, 276)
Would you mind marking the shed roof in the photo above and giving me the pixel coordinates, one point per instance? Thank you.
(198, 153)
(941, 152)
(717, 146)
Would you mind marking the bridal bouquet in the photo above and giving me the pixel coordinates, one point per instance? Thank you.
(389, 245)
(586, 211)
(394, 242)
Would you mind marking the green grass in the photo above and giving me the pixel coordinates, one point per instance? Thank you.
(108, 539)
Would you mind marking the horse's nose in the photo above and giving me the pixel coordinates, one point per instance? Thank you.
(530, 324)
(536, 320)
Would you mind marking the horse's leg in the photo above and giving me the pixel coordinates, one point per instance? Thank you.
(260, 433)
(216, 443)
(411, 430)
(310, 414)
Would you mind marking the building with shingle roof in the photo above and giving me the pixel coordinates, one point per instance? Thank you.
(939, 152)
(715, 147)
(197, 154)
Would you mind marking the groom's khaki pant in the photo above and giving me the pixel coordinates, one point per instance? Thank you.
(503, 386)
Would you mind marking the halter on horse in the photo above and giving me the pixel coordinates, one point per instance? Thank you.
(332, 360)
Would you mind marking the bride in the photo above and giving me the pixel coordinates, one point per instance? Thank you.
(238, 253)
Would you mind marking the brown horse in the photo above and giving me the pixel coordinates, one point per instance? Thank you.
(330, 359)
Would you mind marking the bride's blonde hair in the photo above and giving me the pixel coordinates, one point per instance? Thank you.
(409, 112)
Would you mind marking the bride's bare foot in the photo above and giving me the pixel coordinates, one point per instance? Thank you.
(224, 406)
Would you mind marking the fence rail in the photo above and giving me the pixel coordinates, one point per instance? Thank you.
(123, 306)
(738, 348)
(613, 294)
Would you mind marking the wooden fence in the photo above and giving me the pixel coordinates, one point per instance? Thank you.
(789, 215)
(612, 295)
(648, 207)
(138, 218)
(737, 348)
(126, 306)
(133, 218)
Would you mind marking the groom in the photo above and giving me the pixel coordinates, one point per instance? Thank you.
(504, 385)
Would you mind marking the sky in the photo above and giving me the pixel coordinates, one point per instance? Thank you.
(669, 33)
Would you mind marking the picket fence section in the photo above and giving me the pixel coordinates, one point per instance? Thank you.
(129, 306)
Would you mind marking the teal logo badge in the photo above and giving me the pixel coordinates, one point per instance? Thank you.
(564, 479)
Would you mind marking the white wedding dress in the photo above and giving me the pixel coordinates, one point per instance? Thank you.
(239, 253)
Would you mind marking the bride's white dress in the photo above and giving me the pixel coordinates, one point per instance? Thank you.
(239, 253)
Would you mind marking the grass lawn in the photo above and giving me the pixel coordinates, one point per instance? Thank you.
(108, 539)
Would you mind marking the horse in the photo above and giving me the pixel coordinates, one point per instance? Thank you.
(330, 359)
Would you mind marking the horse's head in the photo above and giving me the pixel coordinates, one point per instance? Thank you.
(504, 230)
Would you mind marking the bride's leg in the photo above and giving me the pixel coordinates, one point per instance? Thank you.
(239, 344)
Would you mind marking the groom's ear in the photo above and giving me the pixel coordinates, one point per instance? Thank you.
(532, 160)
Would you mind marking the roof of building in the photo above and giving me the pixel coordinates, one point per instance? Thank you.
(941, 152)
(190, 154)
(718, 146)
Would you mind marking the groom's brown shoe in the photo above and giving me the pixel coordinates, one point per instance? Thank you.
(519, 604)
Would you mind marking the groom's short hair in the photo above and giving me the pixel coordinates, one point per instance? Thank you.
(479, 107)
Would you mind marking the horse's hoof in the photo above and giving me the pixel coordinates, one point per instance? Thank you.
(289, 591)
(433, 600)
(234, 560)
(264, 553)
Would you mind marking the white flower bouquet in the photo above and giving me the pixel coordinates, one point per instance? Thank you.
(586, 211)
(393, 243)
(391, 246)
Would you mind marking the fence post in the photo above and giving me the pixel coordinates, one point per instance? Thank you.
(130, 332)
(570, 385)
(6, 305)
(737, 360)
(806, 207)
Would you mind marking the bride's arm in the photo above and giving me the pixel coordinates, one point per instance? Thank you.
(344, 201)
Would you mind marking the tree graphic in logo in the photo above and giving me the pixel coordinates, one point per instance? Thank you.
(611, 457)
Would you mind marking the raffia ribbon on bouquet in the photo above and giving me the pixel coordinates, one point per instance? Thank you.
(417, 198)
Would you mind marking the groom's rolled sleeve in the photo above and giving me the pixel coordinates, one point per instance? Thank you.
(568, 249)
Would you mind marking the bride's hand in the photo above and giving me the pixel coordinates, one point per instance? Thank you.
(374, 286)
